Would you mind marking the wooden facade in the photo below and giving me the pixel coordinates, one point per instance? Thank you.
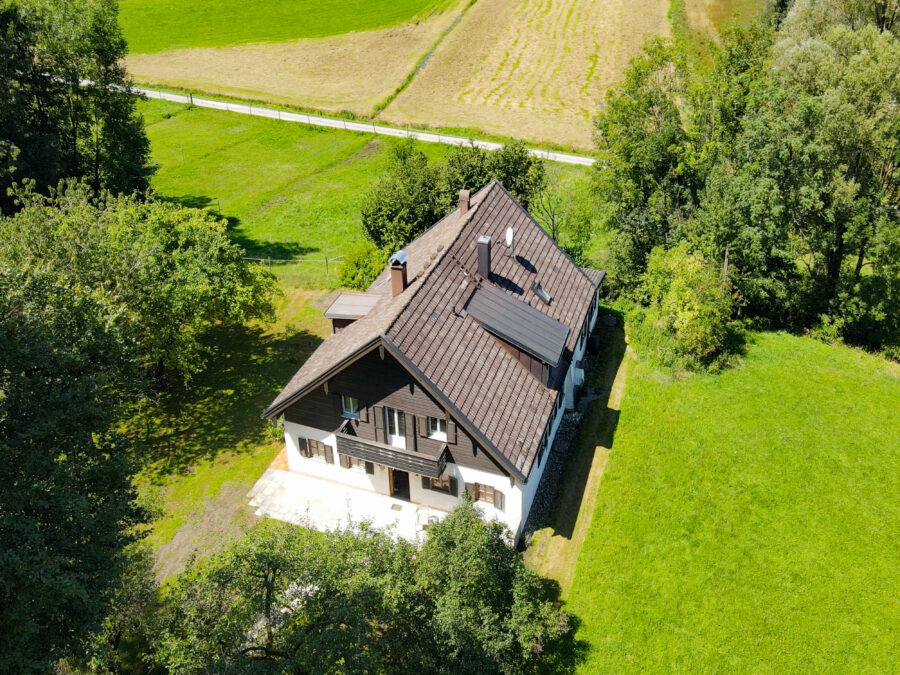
(378, 380)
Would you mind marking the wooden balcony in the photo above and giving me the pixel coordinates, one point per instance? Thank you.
(421, 463)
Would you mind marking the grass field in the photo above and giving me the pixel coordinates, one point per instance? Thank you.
(160, 25)
(749, 521)
(531, 68)
(289, 191)
(203, 449)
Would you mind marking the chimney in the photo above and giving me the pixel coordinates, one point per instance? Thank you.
(398, 273)
(484, 256)
(463, 202)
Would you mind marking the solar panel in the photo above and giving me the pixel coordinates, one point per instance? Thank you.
(519, 324)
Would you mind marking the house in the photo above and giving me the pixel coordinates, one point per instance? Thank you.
(451, 373)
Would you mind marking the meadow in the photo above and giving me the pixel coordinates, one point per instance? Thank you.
(748, 521)
(531, 69)
(160, 25)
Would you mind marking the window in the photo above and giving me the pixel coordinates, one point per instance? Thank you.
(349, 462)
(484, 493)
(349, 407)
(441, 483)
(437, 428)
(316, 448)
(487, 493)
(395, 426)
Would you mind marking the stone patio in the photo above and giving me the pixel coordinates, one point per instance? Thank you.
(309, 501)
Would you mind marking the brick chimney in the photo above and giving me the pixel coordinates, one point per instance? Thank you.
(463, 202)
(398, 273)
(484, 256)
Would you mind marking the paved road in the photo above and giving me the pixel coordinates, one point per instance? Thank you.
(366, 127)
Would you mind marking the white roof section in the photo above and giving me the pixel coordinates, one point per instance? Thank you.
(352, 305)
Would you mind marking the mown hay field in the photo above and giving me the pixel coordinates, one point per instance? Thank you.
(349, 71)
(530, 68)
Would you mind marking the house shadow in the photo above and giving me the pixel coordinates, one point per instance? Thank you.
(255, 248)
(219, 409)
(566, 486)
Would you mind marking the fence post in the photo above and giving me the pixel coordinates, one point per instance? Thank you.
(269, 260)
(326, 266)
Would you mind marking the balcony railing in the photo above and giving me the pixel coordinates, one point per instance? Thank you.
(387, 455)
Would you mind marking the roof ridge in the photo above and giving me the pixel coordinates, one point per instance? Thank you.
(543, 231)
(426, 275)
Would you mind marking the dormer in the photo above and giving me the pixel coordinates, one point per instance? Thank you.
(536, 340)
(349, 307)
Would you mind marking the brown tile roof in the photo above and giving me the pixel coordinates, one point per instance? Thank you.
(427, 322)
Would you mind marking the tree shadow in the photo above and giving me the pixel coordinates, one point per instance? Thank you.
(566, 653)
(255, 248)
(220, 409)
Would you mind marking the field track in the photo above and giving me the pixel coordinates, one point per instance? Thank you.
(363, 127)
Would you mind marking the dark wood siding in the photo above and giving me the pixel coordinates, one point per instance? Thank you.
(384, 382)
(395, 458)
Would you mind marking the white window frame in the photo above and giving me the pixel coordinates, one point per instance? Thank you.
(351, 412)
(397, 419)
(433, 433)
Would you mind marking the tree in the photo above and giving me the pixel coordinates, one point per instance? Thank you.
(291, 599)
(170, 271)
(405, 201)
(413, 194)
(362, 265)
(286, 599)
(66, 507)
(780, 156)
(491, 613)
(52, 124)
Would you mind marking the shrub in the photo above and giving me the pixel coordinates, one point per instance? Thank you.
(689, 307)
(361, 265)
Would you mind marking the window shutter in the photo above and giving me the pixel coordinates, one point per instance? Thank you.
(370, 468)
(410, 432)
(303, 447)
(471, 489)
(344, 460)
(451, 431)
(363, 413)
(329, 454)
(421, 426)
(499, 500)
(378, 413)
(454, 486)
(426, 483)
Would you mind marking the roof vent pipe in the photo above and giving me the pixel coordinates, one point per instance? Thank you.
(484, 256)
(463, 202)
(398, 273)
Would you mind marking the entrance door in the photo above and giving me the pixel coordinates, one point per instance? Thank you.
(399, 484)
(395, 427)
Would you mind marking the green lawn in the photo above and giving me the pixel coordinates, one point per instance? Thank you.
(159, 25)
(289, 191)
(749, 521)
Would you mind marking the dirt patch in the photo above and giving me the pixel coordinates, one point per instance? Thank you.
(223, 521)
(530, 68)
(353, 71)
